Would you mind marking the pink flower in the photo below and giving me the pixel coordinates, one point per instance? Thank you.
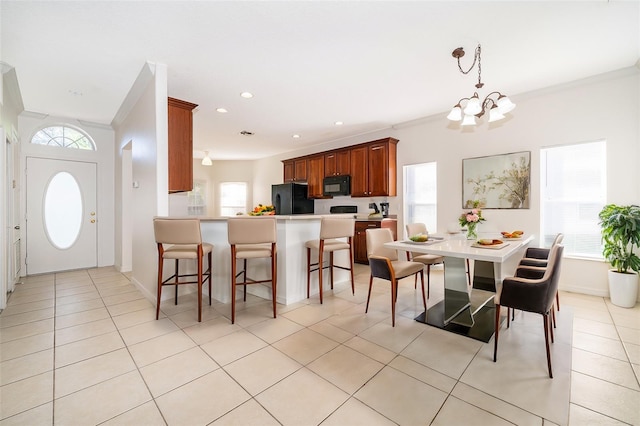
(474, 211)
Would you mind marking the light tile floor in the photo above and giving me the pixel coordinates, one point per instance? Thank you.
(84, 348)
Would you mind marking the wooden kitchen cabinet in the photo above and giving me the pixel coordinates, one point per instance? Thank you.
(315, 175)
(360, 236)
(295, 170)
(337, 163)
(180, 123)
(373, 169)
(371, 165)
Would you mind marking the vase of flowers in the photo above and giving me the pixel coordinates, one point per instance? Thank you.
(261, 210)
(470, 220)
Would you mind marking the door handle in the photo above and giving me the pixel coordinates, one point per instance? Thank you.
(16, 227)
(93, 221)
(93, 213)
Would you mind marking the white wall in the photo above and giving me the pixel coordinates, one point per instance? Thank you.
(602, 107)
(102, 135)
(142, 122)
(10, 106)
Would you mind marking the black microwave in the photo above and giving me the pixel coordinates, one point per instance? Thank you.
(336, 185)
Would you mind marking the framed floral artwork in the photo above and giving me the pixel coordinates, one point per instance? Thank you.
(497, 182)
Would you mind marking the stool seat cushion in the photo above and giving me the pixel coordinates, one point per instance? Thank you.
(329, 245)
(186, 251)
(252, 251)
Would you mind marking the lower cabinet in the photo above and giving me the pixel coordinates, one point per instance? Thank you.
(360, 237)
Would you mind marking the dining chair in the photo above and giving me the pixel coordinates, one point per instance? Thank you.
(384, 264)
(180, 239)
(531, 295)
(425, 259)
(331, 231)
(538, 256)
(251, 238)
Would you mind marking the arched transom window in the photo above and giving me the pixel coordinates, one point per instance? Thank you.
(63, 136)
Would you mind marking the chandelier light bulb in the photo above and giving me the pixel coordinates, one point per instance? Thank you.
(505, 105)
(473, 106)
(455, 114)
(495, 114)
(469, 120)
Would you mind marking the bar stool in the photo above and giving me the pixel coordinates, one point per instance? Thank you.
(251, 238)
(330, 230)
(184, 242)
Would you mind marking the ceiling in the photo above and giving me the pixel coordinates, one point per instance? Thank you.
(308, 64)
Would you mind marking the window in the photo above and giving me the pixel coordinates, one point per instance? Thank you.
(197, 199)
(233, 198)
(65, 137)
(420, 195)
(573, 191)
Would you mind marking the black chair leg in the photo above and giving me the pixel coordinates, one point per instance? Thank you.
(369, 295)
(497, 328)
(547, 330)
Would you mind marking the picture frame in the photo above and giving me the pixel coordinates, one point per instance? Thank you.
(497, 182)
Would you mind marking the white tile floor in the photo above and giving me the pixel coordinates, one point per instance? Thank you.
(84, 348)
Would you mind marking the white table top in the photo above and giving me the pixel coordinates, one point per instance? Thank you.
(458, 247)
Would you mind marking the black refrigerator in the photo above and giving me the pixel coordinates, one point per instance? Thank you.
(291, 198)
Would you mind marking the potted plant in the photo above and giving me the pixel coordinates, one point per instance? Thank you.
(620, 227)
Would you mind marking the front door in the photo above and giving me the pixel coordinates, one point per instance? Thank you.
(61, 215)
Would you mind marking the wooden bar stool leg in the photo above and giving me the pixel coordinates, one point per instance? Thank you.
(308, 271)
(210, 274)
(233, 284)
(353, 287)
(274, 277)
(199, 284)
(160, 267)
(331, 268)
(176, 280)
(244, 276)
(320, 270)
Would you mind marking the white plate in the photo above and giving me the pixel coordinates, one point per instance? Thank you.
(515, 238)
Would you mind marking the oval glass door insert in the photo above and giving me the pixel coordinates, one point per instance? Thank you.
(62, 210)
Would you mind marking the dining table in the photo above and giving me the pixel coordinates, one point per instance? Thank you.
(468, 309)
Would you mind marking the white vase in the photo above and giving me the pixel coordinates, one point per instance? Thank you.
(623, 288)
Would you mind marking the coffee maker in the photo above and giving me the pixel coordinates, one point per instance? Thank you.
(385, 209)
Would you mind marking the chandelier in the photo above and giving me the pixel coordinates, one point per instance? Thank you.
(495, 103)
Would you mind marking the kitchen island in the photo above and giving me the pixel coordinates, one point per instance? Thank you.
(293, 231)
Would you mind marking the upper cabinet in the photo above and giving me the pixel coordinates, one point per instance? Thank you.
(315, 176)
(180, 145)
(295, 170)
(373, 169)
(371, 165)
(337, 163)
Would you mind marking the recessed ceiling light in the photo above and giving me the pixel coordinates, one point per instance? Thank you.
(246, 95)
(338, 123)
(222, 110)
(296, 136)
